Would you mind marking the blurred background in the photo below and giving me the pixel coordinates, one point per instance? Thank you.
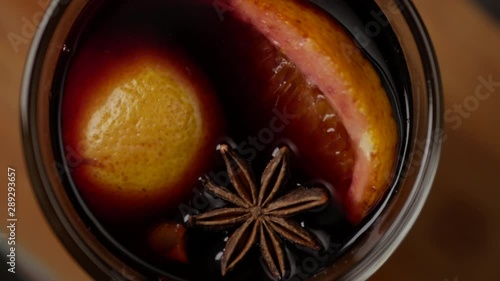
(457, 236)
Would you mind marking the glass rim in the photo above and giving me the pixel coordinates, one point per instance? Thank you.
(86, 258)
(47, 201)
(431, 153)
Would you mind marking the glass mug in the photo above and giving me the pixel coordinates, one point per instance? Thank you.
(106, 259)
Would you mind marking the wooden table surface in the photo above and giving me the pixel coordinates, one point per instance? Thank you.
(457, 236)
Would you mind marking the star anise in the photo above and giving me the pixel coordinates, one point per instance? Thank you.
(261, 215)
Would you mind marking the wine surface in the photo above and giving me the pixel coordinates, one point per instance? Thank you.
(247, 72)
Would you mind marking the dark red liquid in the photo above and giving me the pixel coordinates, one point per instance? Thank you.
(229, 52)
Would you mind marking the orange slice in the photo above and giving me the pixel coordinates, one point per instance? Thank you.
(314, 43)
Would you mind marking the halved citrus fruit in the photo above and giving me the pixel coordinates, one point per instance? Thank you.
(143, 119)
